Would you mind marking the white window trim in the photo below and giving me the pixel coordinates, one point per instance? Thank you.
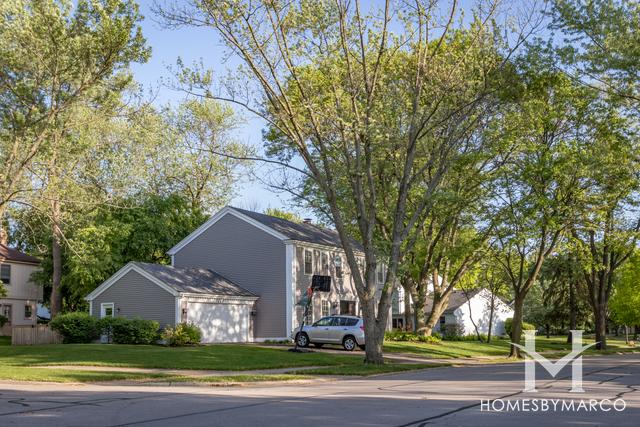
(322, 306)
(304, 261)
(325, 256)
(104, 306)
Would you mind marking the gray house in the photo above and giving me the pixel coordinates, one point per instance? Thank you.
(239, 277)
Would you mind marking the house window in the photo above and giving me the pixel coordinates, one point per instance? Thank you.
(5, 274)
(5, 310)
(28, 312)
(106, 309)
(380, 272)
(325, 308)
(338, 262)
(308, 262)
(325, 263)
(442, 321)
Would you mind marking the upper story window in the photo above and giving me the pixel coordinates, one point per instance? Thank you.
(5, 274)
(380, 273)
(28, 312)
(325, 263)
(308, 261)
(325, 308)
(338, 262)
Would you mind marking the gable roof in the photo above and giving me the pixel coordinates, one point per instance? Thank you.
(302, 232)
(456, 300)
(278, 227)
(11, 254)
(194, 280)
(177, 281)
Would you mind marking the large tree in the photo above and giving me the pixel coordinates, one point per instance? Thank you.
(56, 56)
(601, 44)
(543, 185)
(607, 231)
(358, 110)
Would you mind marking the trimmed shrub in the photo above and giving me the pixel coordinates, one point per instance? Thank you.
(3, 320)
(121, 330)
(183, 334)
(453, 332)
(76, 327)
(508, 325)
(410, 337)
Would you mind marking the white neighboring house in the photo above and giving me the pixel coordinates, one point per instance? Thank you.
(467, 308)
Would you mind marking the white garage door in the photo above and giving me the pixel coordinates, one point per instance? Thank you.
(220, 322)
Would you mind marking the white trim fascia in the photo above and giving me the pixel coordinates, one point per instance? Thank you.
(173, 260)
(118, 275)
(178, 311)
(289, 283)
(219, 299)
(10, 261)
(215, 218)
(90, 308)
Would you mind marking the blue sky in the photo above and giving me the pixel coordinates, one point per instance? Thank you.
(195, 44)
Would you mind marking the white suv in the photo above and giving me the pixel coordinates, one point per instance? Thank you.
(345, 330)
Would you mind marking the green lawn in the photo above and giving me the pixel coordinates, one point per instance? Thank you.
(23, 363)
(20, 373)
(215, 357)
(497, 348)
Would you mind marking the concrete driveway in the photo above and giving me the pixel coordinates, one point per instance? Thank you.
(439, 396)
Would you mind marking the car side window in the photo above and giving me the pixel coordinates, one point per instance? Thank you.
(337, 321)
(351, 322)
(325, 321)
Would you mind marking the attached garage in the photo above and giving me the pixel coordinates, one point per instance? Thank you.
(221, 321)
(220, 308)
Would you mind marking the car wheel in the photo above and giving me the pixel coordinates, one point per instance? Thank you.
(349, 343)
(318, 345)
(302, 340)
(362, 347)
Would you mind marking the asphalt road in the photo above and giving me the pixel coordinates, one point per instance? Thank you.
(441, 396)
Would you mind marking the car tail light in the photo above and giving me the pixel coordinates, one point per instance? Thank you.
(362, 327)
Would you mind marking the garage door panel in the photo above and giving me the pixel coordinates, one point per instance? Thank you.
(220, 322)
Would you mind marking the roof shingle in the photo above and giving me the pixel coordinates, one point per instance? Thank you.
(299, 231)
(11, 254)
(194, 280)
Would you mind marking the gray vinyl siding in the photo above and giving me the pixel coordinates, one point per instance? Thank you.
(137, 296)
(249, 257)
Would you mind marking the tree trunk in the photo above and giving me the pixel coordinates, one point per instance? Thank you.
(573, 322)
(439, 306)
(492, 308)
(4, 236)
(408, 312)
(516, 325)
(56, 254)
(626, 334)
(373, 333)
(419, 301)
(601, 326)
